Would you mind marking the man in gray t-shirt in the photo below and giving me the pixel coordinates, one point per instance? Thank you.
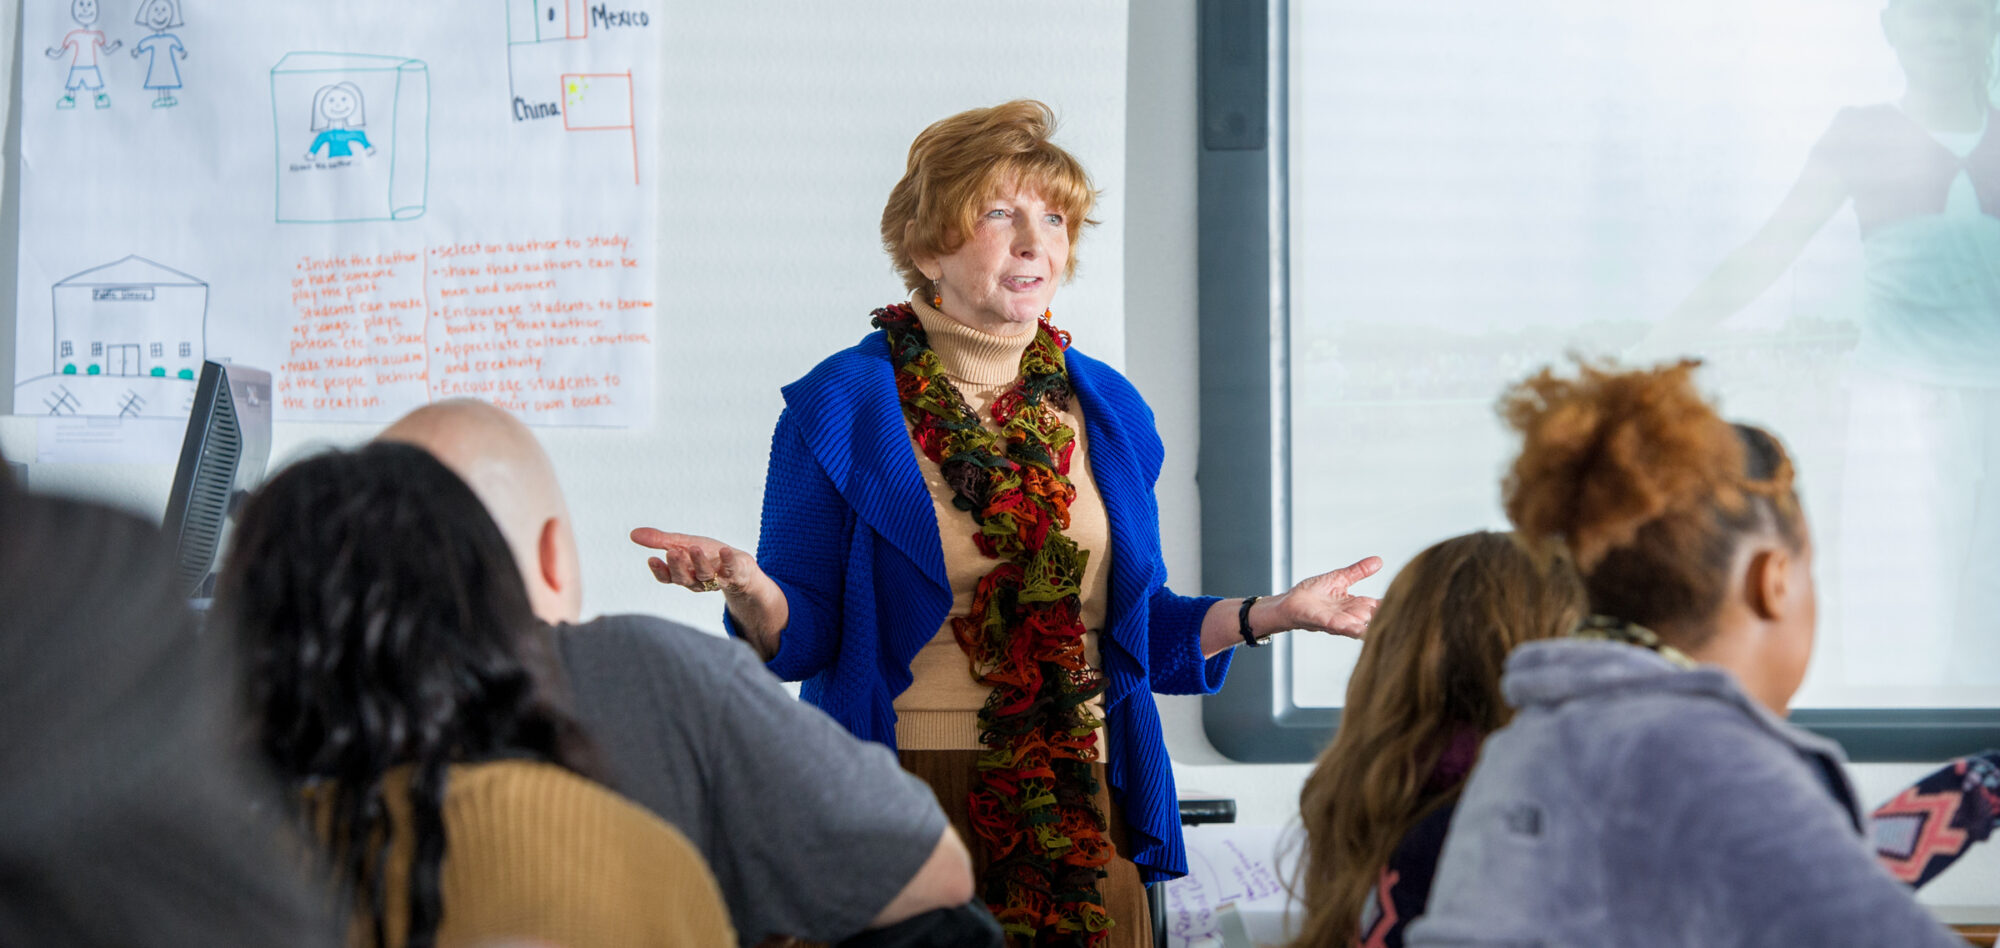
(811, 833)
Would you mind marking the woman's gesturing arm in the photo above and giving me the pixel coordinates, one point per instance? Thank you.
(785, 600)
(705, 564)
(1319, 603)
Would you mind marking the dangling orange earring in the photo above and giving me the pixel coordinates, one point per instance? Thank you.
(937, 293)
(1059, 335)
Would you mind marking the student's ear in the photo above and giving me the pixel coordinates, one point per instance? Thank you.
(1767, 583)
(555, 561)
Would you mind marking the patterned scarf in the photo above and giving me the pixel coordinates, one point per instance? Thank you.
(1608, 629)
(1033, 804)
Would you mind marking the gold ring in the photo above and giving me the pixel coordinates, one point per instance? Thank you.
(709, 585)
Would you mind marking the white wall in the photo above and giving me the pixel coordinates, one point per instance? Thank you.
(1163, 358)
(1161, 135)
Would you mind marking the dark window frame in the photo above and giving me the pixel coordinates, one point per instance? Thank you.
(1244, 466)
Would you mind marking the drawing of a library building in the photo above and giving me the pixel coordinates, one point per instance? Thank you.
(131, 317)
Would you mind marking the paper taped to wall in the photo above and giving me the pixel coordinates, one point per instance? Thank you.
(383, 203)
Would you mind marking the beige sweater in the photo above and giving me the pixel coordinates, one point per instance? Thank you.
(538, 854)
(940, 709)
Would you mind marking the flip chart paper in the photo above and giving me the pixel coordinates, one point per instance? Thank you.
(383, 203)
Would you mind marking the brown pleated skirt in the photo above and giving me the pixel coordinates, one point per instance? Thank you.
(951, 773)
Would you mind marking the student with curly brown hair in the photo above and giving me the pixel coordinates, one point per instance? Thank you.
(1424, 694)
(1648, 790)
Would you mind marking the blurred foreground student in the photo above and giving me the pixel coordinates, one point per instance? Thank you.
(1424, 694)
(126, 814)
(810, 832)
(394, 683)
(1649, 791)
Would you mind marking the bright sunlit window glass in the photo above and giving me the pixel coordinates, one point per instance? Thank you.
(1477, 189)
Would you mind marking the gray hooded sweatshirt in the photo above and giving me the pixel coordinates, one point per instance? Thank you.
(1633, 802)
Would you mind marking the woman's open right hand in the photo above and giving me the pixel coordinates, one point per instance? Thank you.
(705, 564)
(701, 564)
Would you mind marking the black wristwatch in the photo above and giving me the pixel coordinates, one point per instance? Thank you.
(1243, 621)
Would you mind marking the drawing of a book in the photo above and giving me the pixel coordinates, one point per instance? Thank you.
(352, 136)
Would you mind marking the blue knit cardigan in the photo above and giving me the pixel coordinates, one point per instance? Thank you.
(850, 535)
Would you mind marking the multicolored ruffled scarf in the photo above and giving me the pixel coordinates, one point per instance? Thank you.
(1033, 805)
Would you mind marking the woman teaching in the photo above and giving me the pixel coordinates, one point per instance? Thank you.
(960, 551)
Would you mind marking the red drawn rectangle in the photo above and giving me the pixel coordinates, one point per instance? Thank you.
(597, 101)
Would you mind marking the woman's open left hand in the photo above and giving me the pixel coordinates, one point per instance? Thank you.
(1323, 604)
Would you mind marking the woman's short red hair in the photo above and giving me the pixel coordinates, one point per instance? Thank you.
(958, 163)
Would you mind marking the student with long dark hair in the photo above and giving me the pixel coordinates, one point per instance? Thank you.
(692, 727)
(393, 683)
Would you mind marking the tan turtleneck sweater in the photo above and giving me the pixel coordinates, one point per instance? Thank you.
(940, 711)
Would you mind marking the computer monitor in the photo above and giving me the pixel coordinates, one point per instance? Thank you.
(223, 455)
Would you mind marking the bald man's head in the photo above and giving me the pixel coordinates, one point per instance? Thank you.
(503, 463)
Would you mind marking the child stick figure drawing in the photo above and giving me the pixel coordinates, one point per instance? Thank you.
(83, 44)
(163, 74)
(338, 118)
